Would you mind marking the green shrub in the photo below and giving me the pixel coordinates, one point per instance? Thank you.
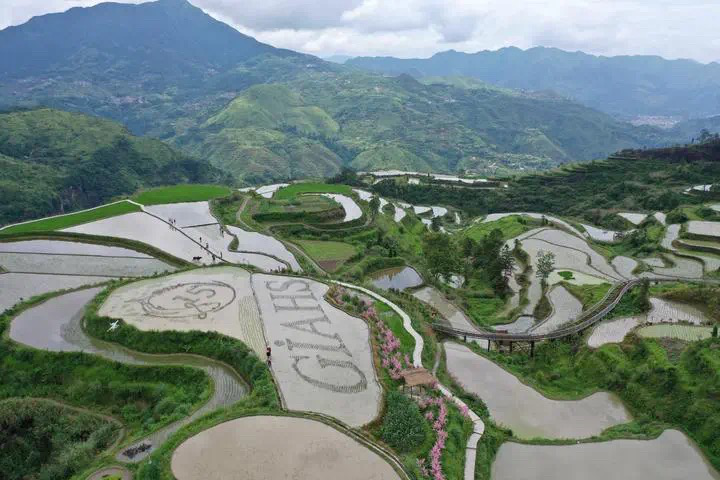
(403, 426)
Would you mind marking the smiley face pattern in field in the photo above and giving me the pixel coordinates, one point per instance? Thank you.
(188, 300)
(209, 299)
(321, 356)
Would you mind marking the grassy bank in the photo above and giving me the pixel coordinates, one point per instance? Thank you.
(73, 219)
(181, 193)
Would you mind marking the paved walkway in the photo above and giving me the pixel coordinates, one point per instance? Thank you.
(478, 424)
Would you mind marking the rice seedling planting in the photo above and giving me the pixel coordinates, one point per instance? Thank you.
(181, 193)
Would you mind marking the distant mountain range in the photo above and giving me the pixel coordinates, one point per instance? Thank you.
(626, 86)
(168, 70)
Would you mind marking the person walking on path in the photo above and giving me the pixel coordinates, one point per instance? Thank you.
(268, 352)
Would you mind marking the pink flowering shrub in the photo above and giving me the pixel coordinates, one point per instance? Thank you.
(439, 422)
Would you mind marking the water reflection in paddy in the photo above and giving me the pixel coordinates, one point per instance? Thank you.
(525, 410)
(399, 278)
(671, 456)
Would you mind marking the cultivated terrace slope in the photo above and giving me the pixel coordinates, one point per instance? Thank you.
(53, 162)
(314, 124)
(642, 180)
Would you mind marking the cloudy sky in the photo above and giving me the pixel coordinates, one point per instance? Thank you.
(419, 28)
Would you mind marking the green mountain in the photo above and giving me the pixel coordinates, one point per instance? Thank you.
(167, 70)
(627, 86)
(318, 122)
(53, 162)
(136, 64)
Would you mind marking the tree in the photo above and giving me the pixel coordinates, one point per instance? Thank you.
(642, 297)
(435, 224)
(374, 204)
(507, 261)
(545, 265)
(440, 253)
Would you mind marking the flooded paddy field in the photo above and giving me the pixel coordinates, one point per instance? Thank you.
(600, 235)
(266, 447)
(664, 314)
(63, 247)
(525, 410)
(565, 309)
(321, 356)
(186, 214)
(265, 244)
(708, 229)
(671, 456)
(147, 229)
(56, 325)
(209, 300)
(17, 287)
(624, 266)
(82, 265)
(634, 218)
(352, 210)
(689, 333)
(398, 278)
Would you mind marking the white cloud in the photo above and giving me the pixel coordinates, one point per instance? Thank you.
(406, 28)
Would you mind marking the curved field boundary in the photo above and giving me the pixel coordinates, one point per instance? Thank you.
(227, 382)
(7, 227)
(478, 424)
(98, 240)
(589, 318)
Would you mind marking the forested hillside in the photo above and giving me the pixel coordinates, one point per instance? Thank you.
(54, 162)
(628, 86)
(316, 123)
(634, 180)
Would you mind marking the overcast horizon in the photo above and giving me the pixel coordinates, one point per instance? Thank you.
(421, 28)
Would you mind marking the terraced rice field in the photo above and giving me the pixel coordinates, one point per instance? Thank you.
(689, 333)
(612, 331)
(218, 242)
(666, 311)
(521, 325)
(578, 278)
(683, 268)
(660, 217)
(267, 191)
(187, 214)
(81, 265)
(321, 356)
(634, 218)
(329, 255)
(398, 278)
(662, 312)
(709, 229)
(147, 229)
(523, 409)
(55, 325)
(364, 195)
(671, 456)
(352, 210)
(600, 235)
(624, 266)
(538, 216)
(209, 300)
(75, 258)
(265, 244)
(16, 287)
(265, 447)
(565, 310)
(450, 313)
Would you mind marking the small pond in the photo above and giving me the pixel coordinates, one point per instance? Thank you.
(399, 278)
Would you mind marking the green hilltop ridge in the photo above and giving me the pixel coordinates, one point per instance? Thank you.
(317, 123)
(54, 162)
